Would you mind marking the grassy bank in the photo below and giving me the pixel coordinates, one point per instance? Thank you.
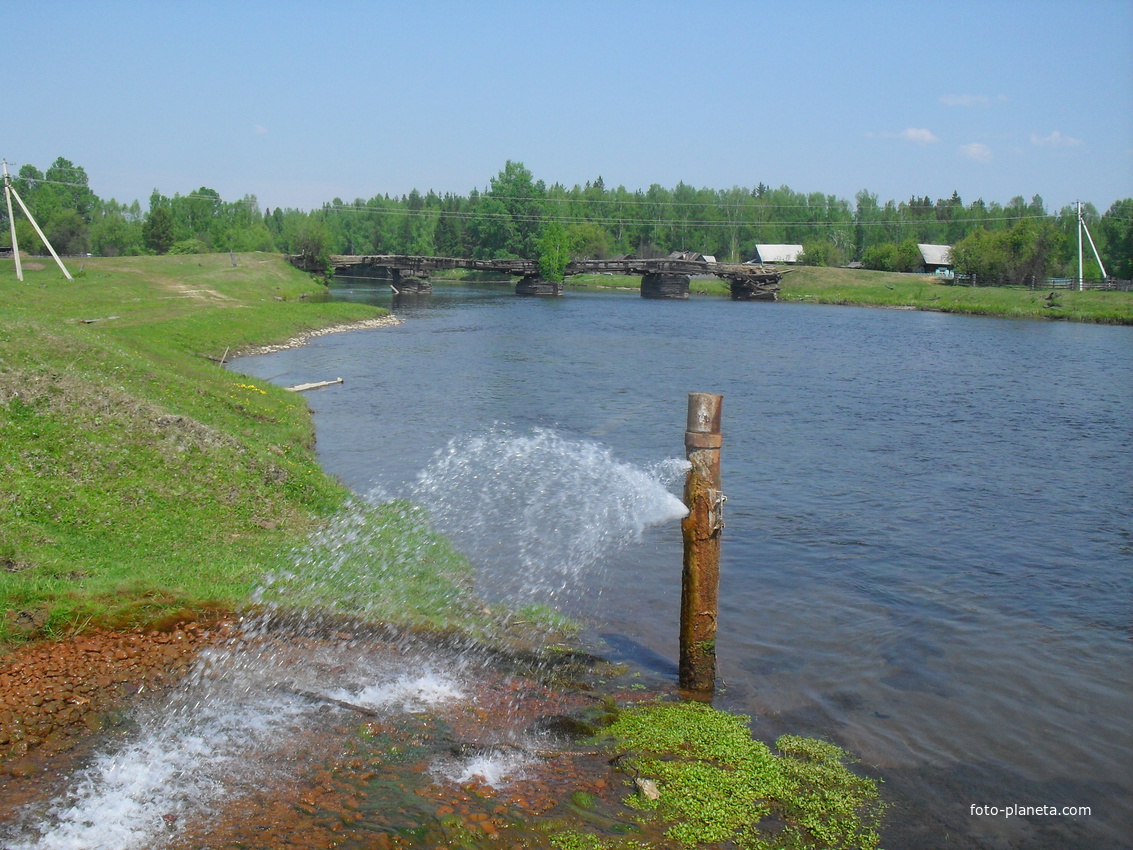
(139, 481)
(864, 288)
(138, 477)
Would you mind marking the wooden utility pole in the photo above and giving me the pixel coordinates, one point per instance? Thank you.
(700, 579)
(9, 193)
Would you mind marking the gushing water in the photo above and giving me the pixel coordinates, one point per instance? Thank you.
(408, 692)
(495, 769)
(533, 512)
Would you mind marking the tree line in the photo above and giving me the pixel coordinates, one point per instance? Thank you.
(517, 215)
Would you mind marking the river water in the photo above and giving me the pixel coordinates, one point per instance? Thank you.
(928, 554)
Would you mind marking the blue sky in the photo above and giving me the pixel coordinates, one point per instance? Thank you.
(299, 103)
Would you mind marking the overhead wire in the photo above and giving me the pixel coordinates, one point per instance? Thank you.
(637, 200)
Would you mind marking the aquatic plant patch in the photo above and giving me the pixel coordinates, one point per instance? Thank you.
(701, 774)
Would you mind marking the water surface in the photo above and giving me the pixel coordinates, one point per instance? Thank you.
(928, 555)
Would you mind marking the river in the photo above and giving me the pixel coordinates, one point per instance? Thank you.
(928, 552)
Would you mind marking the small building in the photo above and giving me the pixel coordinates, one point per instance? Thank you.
(695, 256)
(936, 259)
(777, 254)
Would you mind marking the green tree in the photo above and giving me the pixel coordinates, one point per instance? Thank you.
(448, 237)
(67, 184)
(62, 204)
(520, 197)
(588, 240)
(68, 233)
(492, 230)
(554, 251)
(157, 230)
(819, 252)
(309, 237)
(881, 257)
(1021, 255)
(908, 258)
(116, 229)
(1116, 232)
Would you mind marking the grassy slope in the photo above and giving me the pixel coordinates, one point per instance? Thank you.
(923, 292)
(136, 475)
(920, 292)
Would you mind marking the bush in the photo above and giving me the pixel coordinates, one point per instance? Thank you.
(189, 246)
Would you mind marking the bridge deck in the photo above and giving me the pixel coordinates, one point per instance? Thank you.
(748, 281)
(524, 268)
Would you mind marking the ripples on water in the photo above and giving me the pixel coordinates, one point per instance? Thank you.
(928, 547)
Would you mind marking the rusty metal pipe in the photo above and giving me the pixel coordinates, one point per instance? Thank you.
(701, 529)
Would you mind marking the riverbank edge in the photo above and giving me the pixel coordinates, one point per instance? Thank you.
(127, 353)
(894, 290)
(147, 483)
(306, 337)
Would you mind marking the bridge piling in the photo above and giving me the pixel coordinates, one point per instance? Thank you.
(410, 282)
(534, 284)
(659, 285)
(701, 529)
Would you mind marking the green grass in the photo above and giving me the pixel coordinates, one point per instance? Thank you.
(137, 477)
(379, 563)
(711, 784)
(860, 287)
(923, 292)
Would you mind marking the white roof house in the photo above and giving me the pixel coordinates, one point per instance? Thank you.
(935, 256)
(777, 253)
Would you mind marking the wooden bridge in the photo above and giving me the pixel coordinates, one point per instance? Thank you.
(666, 277)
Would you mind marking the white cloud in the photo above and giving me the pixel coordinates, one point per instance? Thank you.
(976, 151)
(1055, 140)
(260, 129)
(918, 135)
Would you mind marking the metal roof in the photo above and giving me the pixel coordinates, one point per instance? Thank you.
(777, 253)
(936, 255)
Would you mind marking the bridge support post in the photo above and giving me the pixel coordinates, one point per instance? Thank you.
(701, 529)
(410, 283)
(533, 284)
(658, 285)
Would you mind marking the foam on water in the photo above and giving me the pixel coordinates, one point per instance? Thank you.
(183, 760)
(409, 692)
(497, 769)
(535, 510)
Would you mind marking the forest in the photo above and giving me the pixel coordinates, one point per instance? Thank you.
(517, 215)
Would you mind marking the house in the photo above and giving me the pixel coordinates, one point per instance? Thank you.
(936, 259)
(692, 255)
(777, 253)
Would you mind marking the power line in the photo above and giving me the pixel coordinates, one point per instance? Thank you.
(668, 222)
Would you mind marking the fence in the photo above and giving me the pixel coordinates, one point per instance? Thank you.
(1108, 284)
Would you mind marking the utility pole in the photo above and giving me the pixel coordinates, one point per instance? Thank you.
(9, 191)
(12, 222)
(1081, 227)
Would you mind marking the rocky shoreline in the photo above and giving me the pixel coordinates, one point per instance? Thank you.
(304, 338)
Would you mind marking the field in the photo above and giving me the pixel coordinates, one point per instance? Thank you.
(138, 478)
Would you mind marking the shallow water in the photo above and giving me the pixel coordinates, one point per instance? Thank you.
(928, 548)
